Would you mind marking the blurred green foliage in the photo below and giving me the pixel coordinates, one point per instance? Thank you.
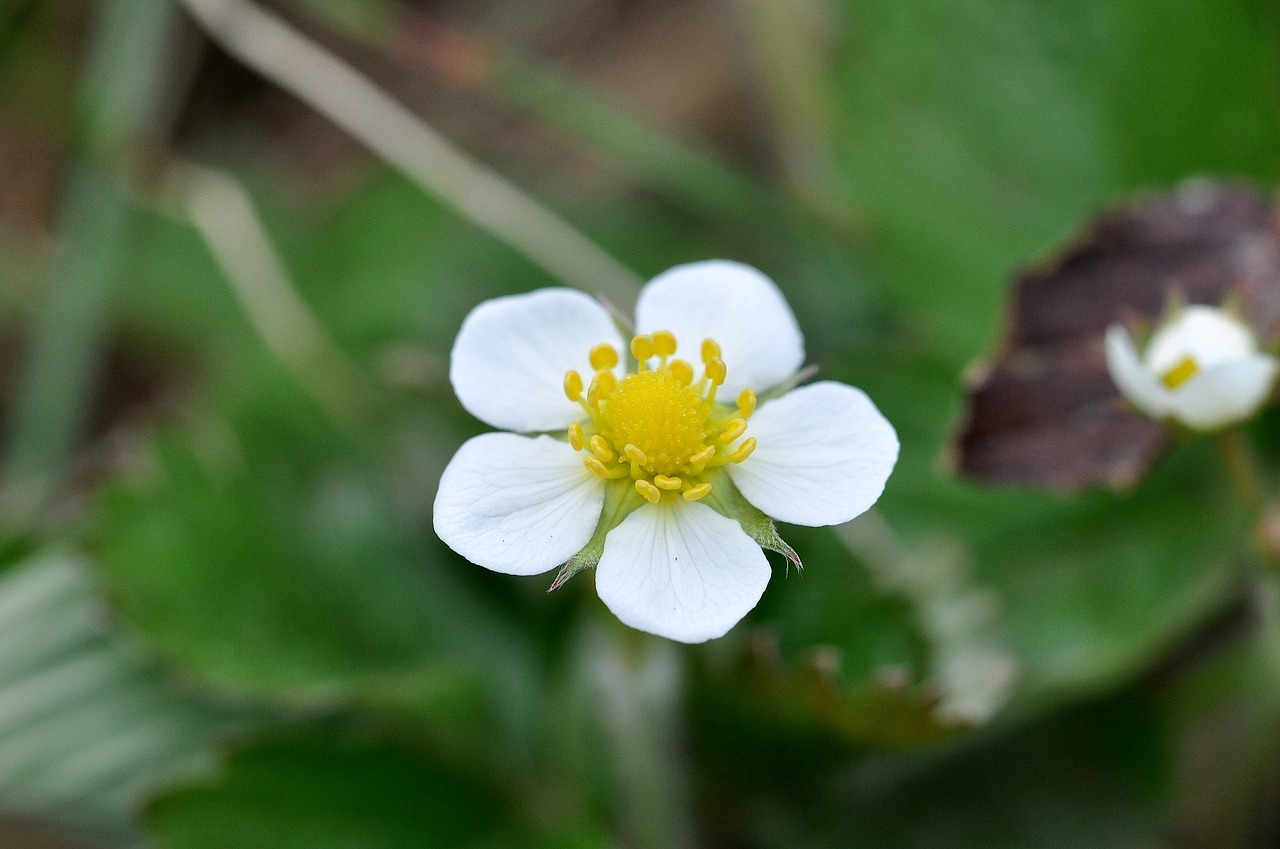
(294, 660)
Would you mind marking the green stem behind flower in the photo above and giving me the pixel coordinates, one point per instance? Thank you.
(1242, 468)
(639, 686)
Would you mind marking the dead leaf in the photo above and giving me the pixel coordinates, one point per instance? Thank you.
(1043, 411)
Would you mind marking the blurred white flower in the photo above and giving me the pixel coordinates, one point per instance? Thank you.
(1202, 367)
(650, 440)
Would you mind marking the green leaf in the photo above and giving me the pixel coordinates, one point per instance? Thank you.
(322, 793)
(895, 648)
(1089, 589)
(831, 653)
(973, 135)
(88, 725)
(273, 577)
(1103, 587)
(1080, 781)
(969, 669)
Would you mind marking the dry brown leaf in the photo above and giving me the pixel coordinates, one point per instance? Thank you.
(1043, 411)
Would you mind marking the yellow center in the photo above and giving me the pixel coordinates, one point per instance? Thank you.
(657, 425)
(1186, 369)
(664, 418)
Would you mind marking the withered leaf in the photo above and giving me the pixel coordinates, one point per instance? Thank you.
(1044, 411)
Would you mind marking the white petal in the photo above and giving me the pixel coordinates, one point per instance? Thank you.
(733, 304)
(681, 570)
(823, 456)
(1206, 334)
(1227, 393)
(516, 504)
(511, 355)
(1139, 386)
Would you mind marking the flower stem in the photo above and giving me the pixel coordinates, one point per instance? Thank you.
(1255, 773)
(1242, 468)
(640, 684)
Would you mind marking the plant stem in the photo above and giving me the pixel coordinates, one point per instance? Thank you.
(639, 681)
(222, 211)
(282, 54)
(1242, 468)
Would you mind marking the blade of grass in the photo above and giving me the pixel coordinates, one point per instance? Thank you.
(223, 212)
(687, 173)
(808, 247)
(277, 51)
(127, 55)
(785, 40)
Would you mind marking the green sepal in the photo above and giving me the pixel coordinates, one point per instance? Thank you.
(620, 501)
(725, 498)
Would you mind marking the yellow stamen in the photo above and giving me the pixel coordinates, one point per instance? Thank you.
(704, 455)
(655, 424)
(604, 356)
(642, 348)
(600, 446)
(710, 350)
(681, 371)
(651, 493)
(716, 371)
(602, 386)
(696, 492)
(664, 343)
(573, 385)
(1186, 369)
(733, 430)
(664, 482)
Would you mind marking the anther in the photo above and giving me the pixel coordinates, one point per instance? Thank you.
(747, 403)
(664, 343)
(710, 350)
(716, 370)
(651, 493)
(602, 386)
(634, 454)
(600, 446)
(664, 482)
(576, 436)
(735, 428)
(596, 467)
(681, 371)
(695, 492)
(604, 356)
(1180, 373)
(573, 385)
(744, 450)
(703, 456)
(642, 348)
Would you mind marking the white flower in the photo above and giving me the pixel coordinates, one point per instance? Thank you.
(662, 437)
(1202, 367)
